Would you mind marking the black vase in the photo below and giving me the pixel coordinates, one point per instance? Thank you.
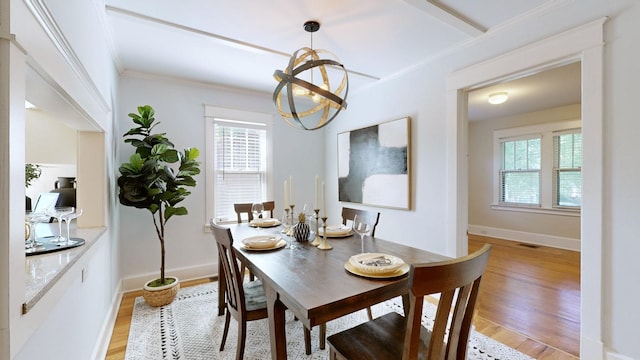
(66, 187)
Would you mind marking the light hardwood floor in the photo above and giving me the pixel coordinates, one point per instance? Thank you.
(529, 300)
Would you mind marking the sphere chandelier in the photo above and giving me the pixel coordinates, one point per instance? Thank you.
(311, 90)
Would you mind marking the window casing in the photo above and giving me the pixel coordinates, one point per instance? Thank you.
(238, 160)
(538, 168)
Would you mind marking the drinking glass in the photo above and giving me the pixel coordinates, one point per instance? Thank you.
(362, 228)
(67, 219)
(33, 218)
(59, 213)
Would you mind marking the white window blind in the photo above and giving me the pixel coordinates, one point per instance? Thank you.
(567, 169)
(240, 165)
(520, 171)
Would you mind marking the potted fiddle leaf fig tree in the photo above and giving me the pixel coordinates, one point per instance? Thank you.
(156, 179)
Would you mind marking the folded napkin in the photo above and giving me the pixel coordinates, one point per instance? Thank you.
(264, 222)
(336, 230)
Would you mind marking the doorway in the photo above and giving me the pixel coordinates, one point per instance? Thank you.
(583, 44)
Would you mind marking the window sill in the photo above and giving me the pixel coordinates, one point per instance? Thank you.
(537, 210)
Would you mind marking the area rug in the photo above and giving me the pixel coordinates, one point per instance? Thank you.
(190, 329)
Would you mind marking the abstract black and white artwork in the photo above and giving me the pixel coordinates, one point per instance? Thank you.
(373, 165)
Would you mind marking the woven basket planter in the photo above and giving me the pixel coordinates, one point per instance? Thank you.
(161, 295)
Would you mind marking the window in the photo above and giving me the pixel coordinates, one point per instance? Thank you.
(238, 160)
(567, 165)
(539, 167)
(520, 173)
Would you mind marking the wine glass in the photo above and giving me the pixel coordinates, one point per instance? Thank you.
(33, 218)
(361, 227)
(67, 218)
(257, 209)
(59, 213)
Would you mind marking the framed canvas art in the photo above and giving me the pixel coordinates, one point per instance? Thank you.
(373, 165)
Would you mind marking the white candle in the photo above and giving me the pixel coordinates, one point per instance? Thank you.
(291, 190)
(324, 202)
(315, 204)
(286, 191)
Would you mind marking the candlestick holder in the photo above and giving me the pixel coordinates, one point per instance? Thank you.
(316, 240)
(293, 224)
(323, 244)
(286, 222)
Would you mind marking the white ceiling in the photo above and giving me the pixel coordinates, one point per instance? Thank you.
(240, 43)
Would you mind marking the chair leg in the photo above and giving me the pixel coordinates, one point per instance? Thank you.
(225, 331)
(322, 336)
(307, 340)
(242, 336)
(369, 313)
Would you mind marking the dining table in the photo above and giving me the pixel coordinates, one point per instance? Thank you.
(315, 285)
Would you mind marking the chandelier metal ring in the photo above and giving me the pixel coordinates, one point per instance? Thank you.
(305, 103)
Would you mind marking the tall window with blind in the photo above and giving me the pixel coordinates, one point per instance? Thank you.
(240, 165)
(567, 169)
(520, 173)
(239, 169)
(539, 168)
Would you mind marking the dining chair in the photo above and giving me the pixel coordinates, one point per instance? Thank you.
(243, 208)
(370, 217)
(269, 206)
(393, 336)
(245, 301)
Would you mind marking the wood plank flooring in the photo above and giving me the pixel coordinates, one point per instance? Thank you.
(531, 291)
(529, 300)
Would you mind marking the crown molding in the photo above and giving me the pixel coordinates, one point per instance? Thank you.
(44, 17)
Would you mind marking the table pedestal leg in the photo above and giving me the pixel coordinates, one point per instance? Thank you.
(277, 334)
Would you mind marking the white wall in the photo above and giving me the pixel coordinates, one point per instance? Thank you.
(481, 179)
(421, 95)
(69, 321)
(621, 179)
(179, 108)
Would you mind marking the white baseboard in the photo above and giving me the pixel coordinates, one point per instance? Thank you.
(616, 356)
(526, 237)
(184, 274)
(102, 346)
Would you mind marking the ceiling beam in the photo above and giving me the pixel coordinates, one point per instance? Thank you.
(449, 16)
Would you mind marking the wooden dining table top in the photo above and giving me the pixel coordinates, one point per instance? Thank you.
(314, 283)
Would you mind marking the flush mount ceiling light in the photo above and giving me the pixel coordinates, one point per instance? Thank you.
(28, 105)
(311, 90)
(498, 98)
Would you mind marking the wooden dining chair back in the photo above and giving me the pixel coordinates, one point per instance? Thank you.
(244, 301)
(269, 206)
(369, 217)
(393, 336)
(243, 208)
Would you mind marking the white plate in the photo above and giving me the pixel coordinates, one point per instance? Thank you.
(376, 263)
(261, 241)
(277, 245)
(264, 223)
(339, 231)
(401, 271)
